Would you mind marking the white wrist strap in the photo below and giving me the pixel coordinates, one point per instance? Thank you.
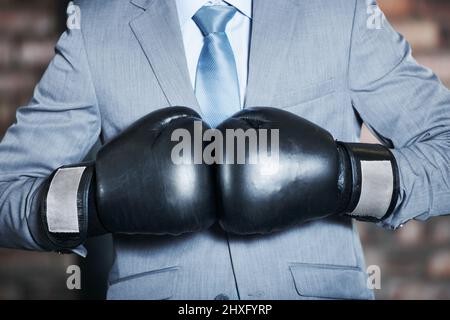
(62, 209)
(377, 188)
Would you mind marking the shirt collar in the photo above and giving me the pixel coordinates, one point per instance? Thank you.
(187, 8)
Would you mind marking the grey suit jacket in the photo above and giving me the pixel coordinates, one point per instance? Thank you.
(317, 59)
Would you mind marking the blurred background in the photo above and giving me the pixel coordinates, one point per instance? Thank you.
(414, 261)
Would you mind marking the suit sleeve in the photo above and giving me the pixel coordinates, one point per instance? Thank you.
(58, 127)
(406, 105)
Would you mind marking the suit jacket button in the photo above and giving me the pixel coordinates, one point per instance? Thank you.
(222, 297)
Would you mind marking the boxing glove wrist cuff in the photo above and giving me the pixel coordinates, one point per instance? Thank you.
(68, 210)
(374, 181)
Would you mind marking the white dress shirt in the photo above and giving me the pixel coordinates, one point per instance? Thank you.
(238, 32)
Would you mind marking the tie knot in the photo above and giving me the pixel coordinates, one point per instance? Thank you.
(213, 19)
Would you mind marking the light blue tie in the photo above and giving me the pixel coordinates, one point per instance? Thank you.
(216, 84)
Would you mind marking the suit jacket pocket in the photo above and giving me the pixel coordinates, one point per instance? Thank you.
(294, 97)
(151, 285)
(330, 281)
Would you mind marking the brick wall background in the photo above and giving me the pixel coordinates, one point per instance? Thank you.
(414, 261)
(28, 31)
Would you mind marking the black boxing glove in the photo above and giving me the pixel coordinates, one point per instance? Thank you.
(133, 187)
(313, 176)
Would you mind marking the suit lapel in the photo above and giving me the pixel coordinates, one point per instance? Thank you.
(272, 27)
(159, 35)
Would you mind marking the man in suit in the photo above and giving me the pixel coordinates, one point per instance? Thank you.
(320, 60)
